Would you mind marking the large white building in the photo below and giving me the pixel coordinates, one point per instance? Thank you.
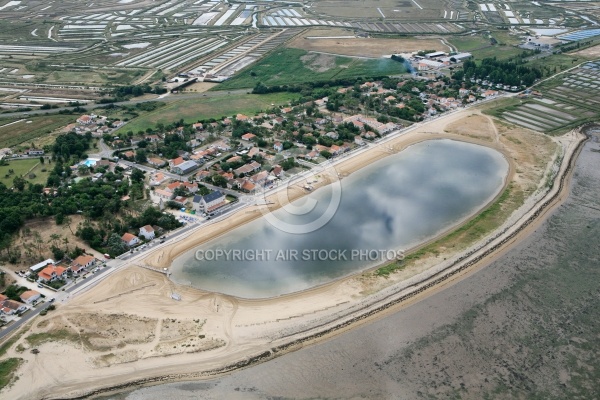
(210, 202)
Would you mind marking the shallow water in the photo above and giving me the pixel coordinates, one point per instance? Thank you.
(391, 205)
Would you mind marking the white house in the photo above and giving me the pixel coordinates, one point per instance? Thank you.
(82, 262)
(10, 307)
(147, 231)
(30, 296)
(130, 239)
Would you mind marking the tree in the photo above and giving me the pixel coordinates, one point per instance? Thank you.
(137, 175)
(83, 169)
(115, 245)
(67, 220)
(326, 154)
(58, 253)
(219, 180)
(54, 239)
(140, 156)
(19, 183)
(42, 159)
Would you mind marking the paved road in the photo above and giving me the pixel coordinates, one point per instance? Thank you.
(24, 319)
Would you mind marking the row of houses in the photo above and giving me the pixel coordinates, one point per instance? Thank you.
(98, 125)
(148, 232)
(11, 307)
(49, 271)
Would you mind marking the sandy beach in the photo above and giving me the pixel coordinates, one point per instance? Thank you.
(129, 331)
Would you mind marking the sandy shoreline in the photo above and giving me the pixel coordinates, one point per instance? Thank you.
(254, 330)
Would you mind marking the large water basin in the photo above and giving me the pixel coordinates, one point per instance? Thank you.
(388, 207)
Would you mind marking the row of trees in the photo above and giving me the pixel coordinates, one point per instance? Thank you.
(512, 73)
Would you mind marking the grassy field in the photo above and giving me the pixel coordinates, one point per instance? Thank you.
(192, 110)
(21, 168)
(498, 51)
(7, 369)
(481, 48)
(25, 132)
(289, 66)
(469, 43)
(37, 339)
(558, 62)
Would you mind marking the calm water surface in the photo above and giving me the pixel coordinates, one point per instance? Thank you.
(391, 205)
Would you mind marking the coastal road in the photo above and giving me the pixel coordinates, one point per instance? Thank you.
(33, 312)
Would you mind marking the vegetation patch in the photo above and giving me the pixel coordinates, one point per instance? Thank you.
(30, 170)
(291, 66)
(195, 109)
(7, 370)
(30, 128)
(36, 339)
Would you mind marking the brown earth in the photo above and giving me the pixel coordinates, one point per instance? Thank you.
(590, 52)
(34, 249)
(365, 47)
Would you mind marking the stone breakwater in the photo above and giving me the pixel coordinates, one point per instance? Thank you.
(464, 262)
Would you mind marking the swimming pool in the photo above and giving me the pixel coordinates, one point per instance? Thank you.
(90, 162)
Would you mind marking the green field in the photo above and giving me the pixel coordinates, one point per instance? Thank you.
(289, 66)
(21, 168)
(469, 43)
(195, 109)
(481, 48)
(25, 132)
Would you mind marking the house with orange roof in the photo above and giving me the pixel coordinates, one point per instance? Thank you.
(152, 138)
(130, 239)
(81, 262)
(11, 307)
(164, 194)
(490, 93)
(247, 168)
(260, 178)
(253, 151)
(248, 186)
(52, 273)
(85, 120)
(30, 296)
(277, 171)
(157, 162)
(248, 136)
(157, 179)
(176, 161)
